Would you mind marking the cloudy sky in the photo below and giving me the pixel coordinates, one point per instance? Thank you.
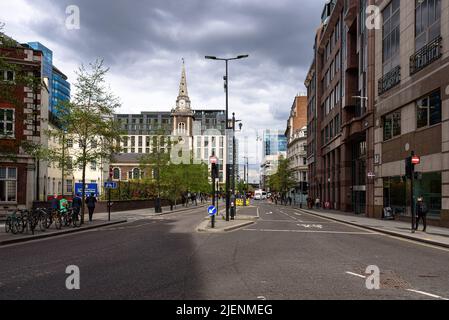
(143, 42)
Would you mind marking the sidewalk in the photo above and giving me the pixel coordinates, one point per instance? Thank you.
(100, 220)
(435, 235)
(245, 216)
(9, 238)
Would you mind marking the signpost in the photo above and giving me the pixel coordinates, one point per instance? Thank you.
(110, 185)
(212, 210)
(410, 164)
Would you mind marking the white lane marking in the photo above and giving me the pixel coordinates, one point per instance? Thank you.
(311, 226)
(427, 294)
(288, 215)
(261, 298)
(310, 231)
(356, 275)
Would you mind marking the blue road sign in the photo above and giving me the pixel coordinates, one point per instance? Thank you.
(212, 211)
(110, 185)
(89, 189)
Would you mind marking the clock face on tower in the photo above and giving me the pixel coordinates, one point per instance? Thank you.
(182, 103)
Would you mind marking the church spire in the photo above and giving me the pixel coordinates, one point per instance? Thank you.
(183, 84)
(183, 101)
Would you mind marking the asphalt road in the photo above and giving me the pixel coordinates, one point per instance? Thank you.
(285, 255)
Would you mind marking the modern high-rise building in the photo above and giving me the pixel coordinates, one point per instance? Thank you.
(59, 87)
(274, 147)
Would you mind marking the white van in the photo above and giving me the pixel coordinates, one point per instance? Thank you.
(260, 195)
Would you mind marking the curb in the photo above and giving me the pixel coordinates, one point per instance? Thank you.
(390, 233)
(64, 232)
(227, 229)
(180, 210)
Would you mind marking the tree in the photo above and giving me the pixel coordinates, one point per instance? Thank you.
(282, 181)
(88, 120)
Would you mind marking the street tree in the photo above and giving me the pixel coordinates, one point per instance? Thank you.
(88, 121)
(282, 181)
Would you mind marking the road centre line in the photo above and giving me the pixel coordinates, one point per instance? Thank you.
(410, 290)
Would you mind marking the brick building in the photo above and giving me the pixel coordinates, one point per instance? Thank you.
(340, 87)
(19, 123)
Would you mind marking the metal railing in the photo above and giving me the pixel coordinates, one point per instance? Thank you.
(426, 55)
(390, 80)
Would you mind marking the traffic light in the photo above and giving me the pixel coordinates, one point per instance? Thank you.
(215, 171)
(409, 168)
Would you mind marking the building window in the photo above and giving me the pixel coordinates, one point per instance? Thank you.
(8, 184)
(7, 123)
(392, 125)
(93, 165)
(427, 25)
(7, 75)
(69, 186)
(93, 144)
(391, 35)
(69, 143)
(181, 128)
(429, 110)
(116, 174)
(136, 174)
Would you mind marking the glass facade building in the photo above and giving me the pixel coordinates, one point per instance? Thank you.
(59, 89)
(274, 142)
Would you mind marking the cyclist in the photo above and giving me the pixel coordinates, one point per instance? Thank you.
(63, 205)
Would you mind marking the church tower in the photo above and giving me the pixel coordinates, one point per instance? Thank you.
(182, 114)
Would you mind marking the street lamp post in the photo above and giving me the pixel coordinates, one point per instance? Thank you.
(228, 166)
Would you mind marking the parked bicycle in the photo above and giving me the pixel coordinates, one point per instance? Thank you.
(71, 217)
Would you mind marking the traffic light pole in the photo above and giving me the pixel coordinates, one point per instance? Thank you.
(412, 200)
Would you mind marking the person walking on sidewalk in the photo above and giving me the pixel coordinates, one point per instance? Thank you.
(421, 212)
(76, 205)
(91, 202)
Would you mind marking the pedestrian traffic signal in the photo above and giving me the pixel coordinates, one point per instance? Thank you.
(409, 168)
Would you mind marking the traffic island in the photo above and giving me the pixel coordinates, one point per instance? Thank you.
(222, 226)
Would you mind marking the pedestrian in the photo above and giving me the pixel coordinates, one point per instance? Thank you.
(290, 201)
(317, 203)
(55, 202)
(76, 205)
(91, 202)
(421, 211)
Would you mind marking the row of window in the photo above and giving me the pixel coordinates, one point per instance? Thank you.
(427, 28)
(331, 130)
(428, 113)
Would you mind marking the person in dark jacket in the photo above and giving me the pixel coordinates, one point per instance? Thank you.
(55, 203)
(76, 205)
(421, 212)
(91, 202)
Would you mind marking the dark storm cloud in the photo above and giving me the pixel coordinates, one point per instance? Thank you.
(281, 31)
